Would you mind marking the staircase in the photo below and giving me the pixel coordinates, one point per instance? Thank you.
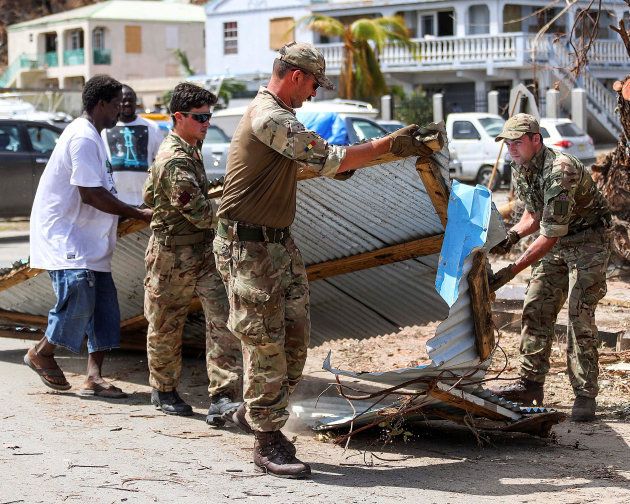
(10, 74)
(600, 102)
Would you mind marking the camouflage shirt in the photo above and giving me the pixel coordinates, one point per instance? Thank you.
(177, 189)
(560, 192)
(267, 149)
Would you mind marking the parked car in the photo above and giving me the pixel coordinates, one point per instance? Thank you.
(25, 147)
(215, 150)
(565, 136)
(339, 128)
(471, 135)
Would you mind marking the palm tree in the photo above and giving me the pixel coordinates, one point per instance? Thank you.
(363, 39)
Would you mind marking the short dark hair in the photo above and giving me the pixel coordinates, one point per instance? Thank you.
(99, 87)
(531, 136)
(187, 96)
(125, 87)
(281, 68)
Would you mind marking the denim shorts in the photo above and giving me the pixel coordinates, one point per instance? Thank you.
(87, 305)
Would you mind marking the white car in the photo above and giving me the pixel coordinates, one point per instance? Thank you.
(565, 136)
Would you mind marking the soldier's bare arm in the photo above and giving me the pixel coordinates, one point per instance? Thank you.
(186, 195)
(534, 252)
(101, 199)
(529, 223)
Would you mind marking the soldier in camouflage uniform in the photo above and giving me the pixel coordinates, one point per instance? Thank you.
(569, 260)
(255, 253)
(180, 264)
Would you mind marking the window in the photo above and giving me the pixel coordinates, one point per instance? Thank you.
(492, 125)
(367, 129)
(43, 139)
(281, 32)
(76, 40)
(230, 37)
(10, 139)
(478, 20)
(133, 39)
(512, 18)
(544, 132)
(464, 130)
(172, 37)
(428, 25)
(98, 39)
(214, 135)
(569, 130)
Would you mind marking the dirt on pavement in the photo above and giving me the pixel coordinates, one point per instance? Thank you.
(61, 447)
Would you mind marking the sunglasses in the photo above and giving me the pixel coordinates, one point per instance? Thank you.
(200, 118)
(306, 72)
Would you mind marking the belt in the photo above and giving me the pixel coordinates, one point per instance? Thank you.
(240, 231)
(190, 239)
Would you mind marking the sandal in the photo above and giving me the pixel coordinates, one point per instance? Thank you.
(47, 373)
(96, 389)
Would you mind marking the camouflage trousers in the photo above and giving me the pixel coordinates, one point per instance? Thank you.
(575, 267)
(174, 275)
(269, 313)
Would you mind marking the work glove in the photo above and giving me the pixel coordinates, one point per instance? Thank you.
(344, 175)
(500, 278)
(405, 143)
(506, 245)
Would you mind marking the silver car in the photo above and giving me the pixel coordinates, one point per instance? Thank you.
(215, 150)
(565, 136)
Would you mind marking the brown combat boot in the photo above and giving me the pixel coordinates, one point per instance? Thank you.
(271, 456)
(583, 409)
(239, 419)
(522, 391)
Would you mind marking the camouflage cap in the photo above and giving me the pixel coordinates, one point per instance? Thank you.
(306, 57)
(517, 125)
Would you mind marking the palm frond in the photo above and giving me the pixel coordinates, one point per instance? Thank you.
(324, 25)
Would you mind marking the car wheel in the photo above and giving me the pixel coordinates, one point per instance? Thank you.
(483, 177)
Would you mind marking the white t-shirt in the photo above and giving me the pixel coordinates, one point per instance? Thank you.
(131, 148)
(65, 232)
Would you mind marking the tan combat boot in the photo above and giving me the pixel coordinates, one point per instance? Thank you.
(239, 419)
(522, 391)
(583, 409)
(271, 456)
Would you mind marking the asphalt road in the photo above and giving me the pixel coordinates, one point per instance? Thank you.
(12, 250)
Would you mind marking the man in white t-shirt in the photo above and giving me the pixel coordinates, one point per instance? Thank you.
(73, 235)
(131, 148)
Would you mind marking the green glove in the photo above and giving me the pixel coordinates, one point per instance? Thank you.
(405, 143)
(506, 245)
(501, 277)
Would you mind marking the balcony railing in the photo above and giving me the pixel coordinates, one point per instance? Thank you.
(102, 56)
(74, 57)
(50, 59)
(474, 51)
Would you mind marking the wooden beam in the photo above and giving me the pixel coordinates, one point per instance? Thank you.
(387, 255)
(481, 305)
(23, 318)
(435, 186)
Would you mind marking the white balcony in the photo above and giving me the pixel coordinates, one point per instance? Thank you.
(507, 50)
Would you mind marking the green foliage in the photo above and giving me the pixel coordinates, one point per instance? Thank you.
(184, 62)
(229, 88)
(361, 77)
(415, 108)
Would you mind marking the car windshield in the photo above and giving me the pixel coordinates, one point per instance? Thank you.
(492, 125)
(569, 130)
(367, 129)
(216, 135)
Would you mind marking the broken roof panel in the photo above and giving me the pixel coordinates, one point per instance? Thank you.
(385, 207)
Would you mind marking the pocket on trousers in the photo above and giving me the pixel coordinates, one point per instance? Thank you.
(159, 264)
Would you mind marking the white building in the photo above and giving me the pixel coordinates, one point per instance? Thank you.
(464, 48)
(131, 40)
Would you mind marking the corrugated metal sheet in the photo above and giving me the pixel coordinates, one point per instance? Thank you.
(380, 206)
(374, 209)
